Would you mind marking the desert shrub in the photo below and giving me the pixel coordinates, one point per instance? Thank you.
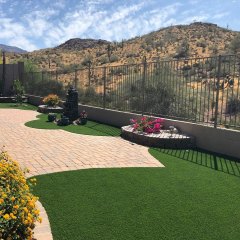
(90, 96)
(113, 58)
(183, 50)
(159, 44)
(51, 100)
(98, 54)
(132, 55)
(117, 70)
(143, 45)
(214, 49)
(149, 40)
(148, 48)
(235, 44)
(202, 44)
(68, 68)
(104, 60)
(87, 60)
(156, 96)
(130, 61)
(18, 211)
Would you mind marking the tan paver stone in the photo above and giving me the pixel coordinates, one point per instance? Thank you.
(46, 151)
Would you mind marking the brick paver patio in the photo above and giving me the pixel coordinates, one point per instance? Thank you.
(48, 151)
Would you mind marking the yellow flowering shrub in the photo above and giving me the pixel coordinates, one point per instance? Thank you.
(18, 211)
(51, 100)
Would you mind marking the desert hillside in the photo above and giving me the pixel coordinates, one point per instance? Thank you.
(180, 41)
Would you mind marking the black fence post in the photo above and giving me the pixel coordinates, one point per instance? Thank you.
(89, 73)
(143, 83)
(42, 76)
(217, 93)
(104, 86)
(75, 78)
(3, 73)
(56, 76)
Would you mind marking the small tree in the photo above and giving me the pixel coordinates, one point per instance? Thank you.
(1, 56)
(18, 90)
(109, 51)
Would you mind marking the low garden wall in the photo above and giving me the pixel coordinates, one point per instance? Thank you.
(224, 141)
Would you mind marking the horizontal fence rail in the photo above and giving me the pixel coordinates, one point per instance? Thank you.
(201, 90)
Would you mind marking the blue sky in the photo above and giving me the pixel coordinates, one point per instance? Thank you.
(35, 24)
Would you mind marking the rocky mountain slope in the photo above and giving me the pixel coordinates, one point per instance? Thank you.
(11, 49)
(180, 41)
(77, 44)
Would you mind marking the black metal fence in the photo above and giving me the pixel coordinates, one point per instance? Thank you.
(201, 90)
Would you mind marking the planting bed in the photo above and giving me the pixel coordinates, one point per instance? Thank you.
(47, 109)
(163, 139)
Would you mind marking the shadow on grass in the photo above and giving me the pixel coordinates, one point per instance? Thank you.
(106, 129)
(23, 106)
(211, 160)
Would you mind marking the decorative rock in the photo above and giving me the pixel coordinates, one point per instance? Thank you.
(52, 117)
(63, 121)
(164, 139)
(173, 129)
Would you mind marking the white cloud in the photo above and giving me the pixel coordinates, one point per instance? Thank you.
(47, 23)
(196, 18)
(122, 13)
(23, 43)
(220, 15)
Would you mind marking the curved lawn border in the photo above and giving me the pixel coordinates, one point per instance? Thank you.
(42, 231)
(183, 201)
(91, 128)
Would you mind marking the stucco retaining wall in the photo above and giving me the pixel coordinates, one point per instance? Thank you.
(224, 141)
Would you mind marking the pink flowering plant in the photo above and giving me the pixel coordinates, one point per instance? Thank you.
(147, 125)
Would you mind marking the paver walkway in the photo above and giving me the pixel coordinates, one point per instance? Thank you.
(48, 151)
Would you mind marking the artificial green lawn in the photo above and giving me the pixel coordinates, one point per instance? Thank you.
(24, 106)
(91, 128)
(195, 197)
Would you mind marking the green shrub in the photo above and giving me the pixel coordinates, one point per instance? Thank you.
(233, 106)
(18, 90)
(36, 84)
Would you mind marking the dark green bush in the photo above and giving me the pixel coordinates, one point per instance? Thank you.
(233, 106)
